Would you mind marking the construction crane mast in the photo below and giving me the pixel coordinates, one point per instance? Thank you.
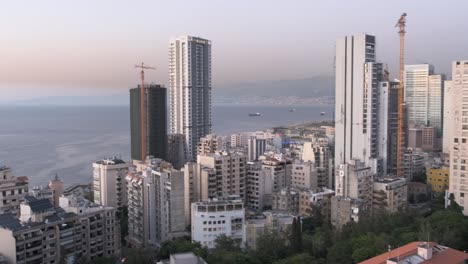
(401, 24)
(142, 109)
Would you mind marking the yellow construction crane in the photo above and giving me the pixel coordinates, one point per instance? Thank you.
(142, 109)
(401, 25)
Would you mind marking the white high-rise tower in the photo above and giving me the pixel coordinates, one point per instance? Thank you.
(190, 89)
(358, 109)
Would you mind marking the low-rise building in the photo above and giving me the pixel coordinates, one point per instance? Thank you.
(320, 199)
(304, 175)
(421, 253)
(438, 178)
(12, 191)
(280, 170)
(209, 144)
(390, 194)
(413, 162)
(183, 258)
(213, 218)
(280, 223)
(345, 210)
(286, 200)
(418, 192)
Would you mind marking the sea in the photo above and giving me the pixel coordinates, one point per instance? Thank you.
(40, 141)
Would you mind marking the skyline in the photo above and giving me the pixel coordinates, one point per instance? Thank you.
(93, 43)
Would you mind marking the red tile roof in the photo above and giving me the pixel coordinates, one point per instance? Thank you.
(445, 256)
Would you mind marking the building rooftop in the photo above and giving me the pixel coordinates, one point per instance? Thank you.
(110, 161)
(8, 221)
(39, 205)
(410, 254)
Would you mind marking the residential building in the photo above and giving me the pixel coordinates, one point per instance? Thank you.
(200, 184)
(155, 122)
(438, 178)
(354, 180)
(423, 137)
(424, 93)
(155, 204)
(183, 258)
(451, 106)
(320, 153)
(459, 143)
(176, 150)
(41, 192)
(109, 187)
(256, 148)
(357, 103)
(190, 90)
(320, 199)
(390, 194)
(213, 218)
(230, 170)
(81, 231)
(421, 253)
(345, 210)
(286, 200)
(280, 169)
(259, 186)
(209, 144)
(413, 162)
(12, 191)
(304, 175)
(279, 223)
(418, 189)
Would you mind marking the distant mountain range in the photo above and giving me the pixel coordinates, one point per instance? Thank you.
(315, 89)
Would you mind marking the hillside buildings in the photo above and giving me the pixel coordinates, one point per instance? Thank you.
(190, 90)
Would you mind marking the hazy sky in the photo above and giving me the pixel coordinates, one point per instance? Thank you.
(89, 47)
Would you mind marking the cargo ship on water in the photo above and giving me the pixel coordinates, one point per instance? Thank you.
(255, 114)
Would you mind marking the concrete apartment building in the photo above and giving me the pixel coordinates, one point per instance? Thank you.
(255, 148)
(413, 162)
(345, 209)
(438, 178)
(230, 170)
(12, 191)
(176, 150)
(213, 218)
(259, 186)
(279, 223)
(354, 180)
(458, 146)
(109, 187)
(280, 170)
(357, 116)
(304, 175)
(390, 194)
(286, 200)
(320, 153)
(319, 199)
(190, 90)
(209, 144)
(155, 204)
(50, 235)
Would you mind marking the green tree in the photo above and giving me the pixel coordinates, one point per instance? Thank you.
(181, 245)
(296, 236)
(225, 243)
(270, 247)
(453, 205)
(300, 258)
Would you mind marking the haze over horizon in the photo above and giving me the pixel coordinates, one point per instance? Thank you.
(54, 48)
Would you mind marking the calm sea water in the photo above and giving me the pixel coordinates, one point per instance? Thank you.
(39, 141)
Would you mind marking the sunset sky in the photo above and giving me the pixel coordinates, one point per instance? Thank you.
(89, 47)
